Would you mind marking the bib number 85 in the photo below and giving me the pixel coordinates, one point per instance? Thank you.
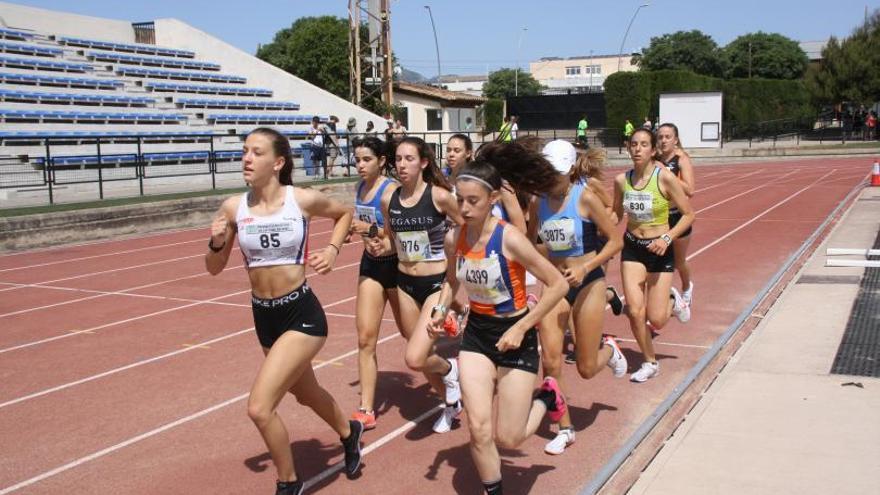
(270, 240)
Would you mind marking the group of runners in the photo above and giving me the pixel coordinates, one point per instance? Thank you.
(503, 217)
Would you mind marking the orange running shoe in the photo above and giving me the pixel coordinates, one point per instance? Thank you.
(367, 418)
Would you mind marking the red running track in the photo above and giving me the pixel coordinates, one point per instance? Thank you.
(125, 367)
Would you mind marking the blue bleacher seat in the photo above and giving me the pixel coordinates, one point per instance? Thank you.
(30, 49)
(11, 34)
(125, 47)
(201, 89)
(74, 98)
(89, 117)
(237, 104)
(260, 118)
(73, 82)
(184, 75)
(174, 63)
(25, 63)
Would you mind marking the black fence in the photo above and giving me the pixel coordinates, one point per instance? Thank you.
(557, 111)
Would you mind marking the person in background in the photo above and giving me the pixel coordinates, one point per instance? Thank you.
(514, 127)
(582, 131)
(370, 130)
(468, 124)
(628, 130)
(647, 124)
(504, 130)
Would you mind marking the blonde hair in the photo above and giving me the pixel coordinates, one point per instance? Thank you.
(589, 164)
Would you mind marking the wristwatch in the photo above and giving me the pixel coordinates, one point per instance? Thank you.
(441, 308)
(666, 238)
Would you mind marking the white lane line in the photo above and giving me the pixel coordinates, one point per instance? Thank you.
(768, 210)
(373, 446)
(766, 184)
(692, 346)
(90, 274)
(150, 360)
(135, 318)
(123, 292)
(143, 436)
(727, 182)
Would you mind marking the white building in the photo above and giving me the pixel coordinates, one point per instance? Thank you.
(434, 109)
(472, 85)
(578, 74)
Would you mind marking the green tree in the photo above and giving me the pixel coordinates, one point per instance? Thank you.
(503, 83)
(773, 56)
(848, 69)
(683, 50)
(314, 49)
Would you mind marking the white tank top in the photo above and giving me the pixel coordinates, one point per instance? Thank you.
(277, 239)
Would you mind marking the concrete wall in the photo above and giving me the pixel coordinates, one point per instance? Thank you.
(24, 18)
(551, 73)
(177, 34)
(417, 107)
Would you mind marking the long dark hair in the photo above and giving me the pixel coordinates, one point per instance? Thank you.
(649, 132)
(431, 173)
(281, 147)
(379, 149)
(524, 169)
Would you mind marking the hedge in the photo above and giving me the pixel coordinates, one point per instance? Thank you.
(747, 102)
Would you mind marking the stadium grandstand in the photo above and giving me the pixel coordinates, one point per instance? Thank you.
(157, 100)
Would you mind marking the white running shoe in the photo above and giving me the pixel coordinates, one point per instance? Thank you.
(448, 417)
(453, 390)
(688, 295)
(617, 362)
(647, 371)
(530, 279)
(563, 439)
(679, 308)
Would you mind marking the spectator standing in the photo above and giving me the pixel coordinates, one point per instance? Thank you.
(514, 127)
(582, 131)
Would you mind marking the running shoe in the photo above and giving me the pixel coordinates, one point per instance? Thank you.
(448, 416)
(563, 439)
(617, 362)
(352, 448)
(550, 385)
(289, 487)
(688, 295)
(531, 279)
(571, 357)
(615, 302)
(679, 308)
(367, 418)
(647, 371)
(450, 379)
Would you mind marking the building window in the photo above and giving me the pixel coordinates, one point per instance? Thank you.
(435, 119)
(593, 69)
(572, 71)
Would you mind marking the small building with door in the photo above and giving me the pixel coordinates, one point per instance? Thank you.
(428, 108)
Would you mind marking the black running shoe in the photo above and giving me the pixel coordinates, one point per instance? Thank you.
(289, 488)
(571, 357)
(615, 302)
(352, 447)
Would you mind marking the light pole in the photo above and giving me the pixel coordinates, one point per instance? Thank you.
(623, 41)
(516, 72)
(436, 45)
(591, 72)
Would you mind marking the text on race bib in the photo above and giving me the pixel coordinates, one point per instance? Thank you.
(639, 205)
(413, 246)
(365, 214)
(483, 280)
(559, 234)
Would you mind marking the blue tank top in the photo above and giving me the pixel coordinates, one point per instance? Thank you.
(370, 211)
(565, 233)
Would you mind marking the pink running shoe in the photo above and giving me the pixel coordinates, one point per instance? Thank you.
(550, 384)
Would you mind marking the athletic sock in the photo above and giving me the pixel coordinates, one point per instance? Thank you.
(548, 397)
(492, 487)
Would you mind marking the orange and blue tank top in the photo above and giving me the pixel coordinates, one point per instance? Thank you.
(494, 284)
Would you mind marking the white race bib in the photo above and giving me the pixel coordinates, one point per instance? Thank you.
(365, 214)
(413, 246)
(639, 205)
(482, 279)
(559, 234)
(270, 240)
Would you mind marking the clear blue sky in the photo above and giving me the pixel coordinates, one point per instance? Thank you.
(476, 35)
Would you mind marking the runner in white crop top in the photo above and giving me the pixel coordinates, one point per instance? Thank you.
(271, 221)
